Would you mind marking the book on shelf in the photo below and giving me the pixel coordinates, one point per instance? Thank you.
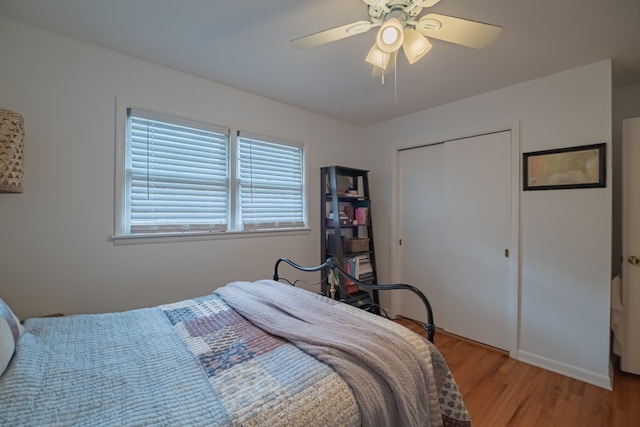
(350, 286)
(361, 216)
(342, 218)
(366, 278)
(359, 267)
(352, 289)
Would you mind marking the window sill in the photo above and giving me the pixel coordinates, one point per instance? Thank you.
(192, 237)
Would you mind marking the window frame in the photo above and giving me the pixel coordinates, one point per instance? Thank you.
(120, 237)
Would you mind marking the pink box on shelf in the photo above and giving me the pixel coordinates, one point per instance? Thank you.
(361, 216)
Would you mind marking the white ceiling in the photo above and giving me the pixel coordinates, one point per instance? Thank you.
(245, 44)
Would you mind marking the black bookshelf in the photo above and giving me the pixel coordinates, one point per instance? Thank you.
(347, 233)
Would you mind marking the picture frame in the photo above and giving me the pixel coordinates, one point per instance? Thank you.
(582, 166)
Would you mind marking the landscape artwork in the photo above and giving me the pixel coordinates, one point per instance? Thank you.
(573, 167)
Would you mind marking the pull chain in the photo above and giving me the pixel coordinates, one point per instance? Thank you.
(395, 79)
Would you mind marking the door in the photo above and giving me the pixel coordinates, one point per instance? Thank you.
(455, 226)
(478, 229)
(421, 198)
(630, 355)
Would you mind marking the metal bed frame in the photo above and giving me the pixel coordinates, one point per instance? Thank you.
(336, 271)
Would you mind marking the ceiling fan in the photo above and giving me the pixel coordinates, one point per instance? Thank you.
(402, 26)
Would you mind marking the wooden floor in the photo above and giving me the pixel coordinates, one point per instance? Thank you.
(500, 391)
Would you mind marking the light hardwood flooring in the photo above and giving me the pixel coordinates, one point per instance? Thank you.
(500, 391)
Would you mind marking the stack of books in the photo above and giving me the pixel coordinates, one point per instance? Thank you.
(359, 267)
(342, 218)
(364, 269)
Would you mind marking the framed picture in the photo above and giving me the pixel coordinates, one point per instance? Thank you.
(572, 167)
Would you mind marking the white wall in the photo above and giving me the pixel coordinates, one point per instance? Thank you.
(565, 235)
(626, 104)
(55, 253)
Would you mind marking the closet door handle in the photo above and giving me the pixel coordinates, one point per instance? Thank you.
(634, 260)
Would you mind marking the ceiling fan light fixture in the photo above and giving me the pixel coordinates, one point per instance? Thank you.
(379, 72)
(390, 36)
(377, 57)
(415, 45)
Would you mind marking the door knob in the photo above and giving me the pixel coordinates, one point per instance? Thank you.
(634, 260)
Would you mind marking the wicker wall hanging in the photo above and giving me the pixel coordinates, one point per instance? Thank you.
(11, 151)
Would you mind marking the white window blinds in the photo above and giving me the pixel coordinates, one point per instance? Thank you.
(177, 175)
(271, 183)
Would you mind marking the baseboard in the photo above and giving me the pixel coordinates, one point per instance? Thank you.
(470, 341)
(580, 374)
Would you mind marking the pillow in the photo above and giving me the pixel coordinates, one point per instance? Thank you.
(10, 331)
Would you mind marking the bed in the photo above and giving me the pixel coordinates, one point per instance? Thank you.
(263, 353)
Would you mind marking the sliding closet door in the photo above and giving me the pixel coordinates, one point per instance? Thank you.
(455, 226)
(477, 188)
(421, 217)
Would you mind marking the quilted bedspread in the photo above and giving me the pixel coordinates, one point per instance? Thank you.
(196, 363)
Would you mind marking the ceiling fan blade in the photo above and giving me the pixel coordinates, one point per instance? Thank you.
(331, 35)
(457, 30)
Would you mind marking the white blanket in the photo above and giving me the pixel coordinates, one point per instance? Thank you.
(389, 377)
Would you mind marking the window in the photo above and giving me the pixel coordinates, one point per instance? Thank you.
(270, 181)
(178, 177)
